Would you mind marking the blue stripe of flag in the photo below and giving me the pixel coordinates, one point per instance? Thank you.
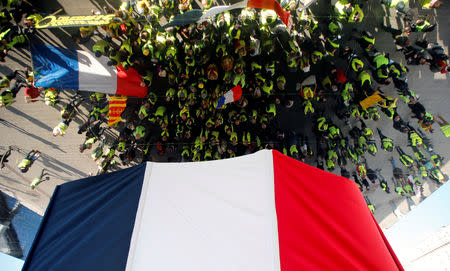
(221, 102)
(55, 67)
(89, 223)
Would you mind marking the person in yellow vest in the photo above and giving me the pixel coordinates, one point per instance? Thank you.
(445, 127)
(357, 64)
(367, 41)
(342, 8)
(101, 47)
(184, 5)
(364, 80)
(322, 125)
(316, 57)
(28, 161)
(11, 37)
(85, 33)
(356, 15)
(414, 138)
(7, 98)
(347, 94)
(62, 127)
(31, 21)
(5, 18)
(271, 111)
(399, 5)
(422, 25)
(428, 4)
(308, 107)
(307, 92)
(5, 81)
(267, 17)
(51, 96)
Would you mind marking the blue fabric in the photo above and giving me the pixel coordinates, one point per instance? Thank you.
(88, 224)
(221, 102)
(55, 67)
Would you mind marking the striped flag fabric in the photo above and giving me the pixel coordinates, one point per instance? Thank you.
(62, 68)
(263, 212)
(230, 96)
(117, 105)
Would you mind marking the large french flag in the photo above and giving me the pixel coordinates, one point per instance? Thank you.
(262, 212)
(63, 68)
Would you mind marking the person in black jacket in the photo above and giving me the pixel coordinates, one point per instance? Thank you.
(400, 124)
(418, 110)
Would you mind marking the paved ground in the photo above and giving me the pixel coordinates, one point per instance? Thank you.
(29, 126)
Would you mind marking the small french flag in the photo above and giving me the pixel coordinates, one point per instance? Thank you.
(80, 70)
(230, 96)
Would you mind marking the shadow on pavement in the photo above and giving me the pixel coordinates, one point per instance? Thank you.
(30, 118)
(59, 166)
(12, 125)
(14, 190)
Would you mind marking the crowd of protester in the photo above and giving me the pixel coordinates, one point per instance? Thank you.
(309, 64)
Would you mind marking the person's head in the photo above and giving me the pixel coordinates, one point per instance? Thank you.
(145, 35)
(281, 84)
(422, 61)
(28, 22)
(288, 103)
(111, 62)
(375, 117)
(93, 98)
(2, 56)
(264, 125)
(436, 3)
(49, 102)
(316, 58)
(56, 131)
(84, 32)
(427, 123)
(137, 136)
(130, 155)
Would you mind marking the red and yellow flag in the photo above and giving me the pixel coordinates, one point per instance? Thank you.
(116, 106)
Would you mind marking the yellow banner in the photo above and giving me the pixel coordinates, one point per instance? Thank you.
(371, 100)
(74, 21)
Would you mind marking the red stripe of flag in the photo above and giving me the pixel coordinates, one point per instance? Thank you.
(324, 223)
(129, 83)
